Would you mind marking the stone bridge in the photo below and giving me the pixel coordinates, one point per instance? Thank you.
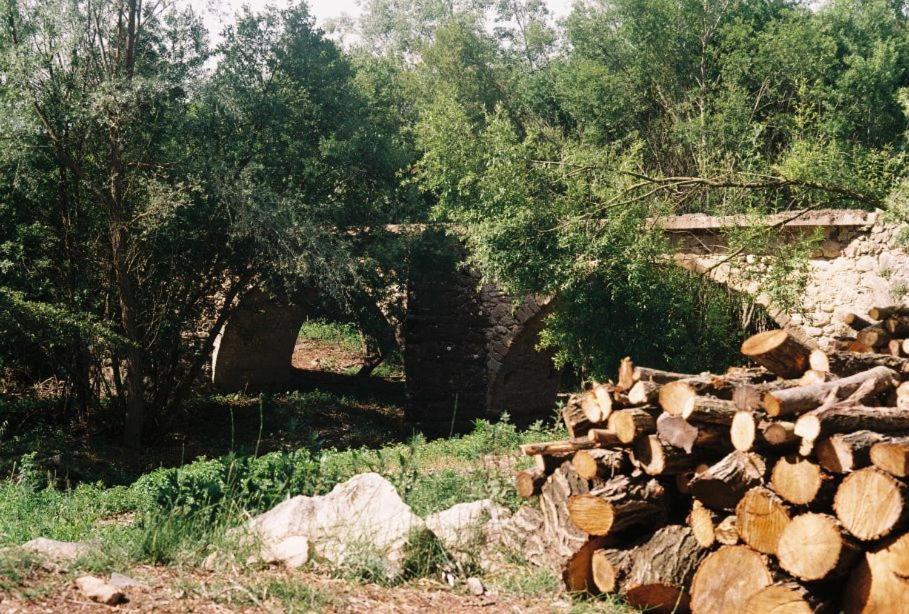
(470, 351)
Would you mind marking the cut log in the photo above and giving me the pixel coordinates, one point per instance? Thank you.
(644, 393)
(780, 433)
(604, 437)
(529, 482)
(662, 571)
(895, 347)
(879, 582)
(801, 482)
(849, 363)
(779, 351)
(859, 348)
(812, 376)
(575, 418)
(905, 347)
(846, 418)
(752, 429)
(599, 463)
(657, 458)
(874, 336)
(892, 456)
(727, 579)
(897, 326)
(871, 503)
(620, 503)
(846, 452)
(596, 403)
(626, 377)
(610, 566)
(726, 532)
(798, 400)
(761, 516)
(557, 448)
(855, 321)
(709, 528)
(882, 313)
(724, 484)
(818, 361)
(577, 570)
(815, 547)
(646, 374)
(709, 410)
(789, 598)
(677, 432)
(683, 479)
(629, 424)
(568, 547)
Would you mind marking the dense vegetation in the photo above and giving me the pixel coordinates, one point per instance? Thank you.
(151, 176)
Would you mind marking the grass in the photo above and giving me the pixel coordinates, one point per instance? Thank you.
(342, 334)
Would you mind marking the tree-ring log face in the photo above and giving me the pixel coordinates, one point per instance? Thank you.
(870, 503)
(810, 546)
(762, 342)
(591, 514)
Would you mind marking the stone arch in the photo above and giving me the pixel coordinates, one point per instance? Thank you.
(254, 348)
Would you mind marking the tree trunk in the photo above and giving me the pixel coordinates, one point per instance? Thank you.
(727, 578)
(795, 401)
(855, 321)
(779, 351)
(620, 503)
(629, 424)
(751, 430)
(662, 570)
(761, 516)
(576, 420)
(874, 336)
(871, 503)
(556, 448)
(882, 313)
(709, 410)
(724, 484)
(801, 482)
(677, 432)
(846, 418)
(709, 528)
(850, 363)
(814, 547)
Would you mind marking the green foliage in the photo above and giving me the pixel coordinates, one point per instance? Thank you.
(342, 334)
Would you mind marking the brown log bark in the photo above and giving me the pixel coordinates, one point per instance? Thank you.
(798, 400)
(845, 418)
(629, 424)
(779, 351)
(855, 321)
(750, 396)
(683, 479)
(897, 326)
(529, 482)
(600, 463)
(761, 516)
(846, 452)
(557, 448)
(727, 578)
(662, 571)
(610, 566)
(849, 363)
(882, 313)
(879, 583)
(644, 393)
(871, 503)
(801, 482)
(568, 546)
(677, 432)
(874, 336)
(789, 597)
(724, 484)
(657, 458)
(815, 547)
(857, 347)
(657, 376)
(892, 456)
(577, 568)
(812, 376)
(620, 503)
(709, 410)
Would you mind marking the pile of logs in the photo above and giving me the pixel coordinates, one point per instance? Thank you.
(885, 330)
(779, 487)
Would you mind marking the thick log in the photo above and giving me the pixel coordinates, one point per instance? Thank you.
(818, 361)
(855, 321)
(629, 424)
(801, 482)
(892, 456)
(610, 566)
(815, 547)
(599, 463)
(849, 363)
(761, 516)
(709, 410)
(679, 433)
(879, 582)
(683, 479)
(779, 351)
(846, 452)
(620, 503)
(897, 326)
(644, 393)
(577, 569)
(529, 482)
(895, 347)
(724, 484)
(874, 336)
(798, 400)
(751, 396)
(604, 437)
(597, 404)
(557, 448)
(846, 418)
(657, 458)
(882, 313)
(871, 503)
(789, 597)
(858, 347)
(575, 418)
(779, 433)
(727, 579)
(662, 571)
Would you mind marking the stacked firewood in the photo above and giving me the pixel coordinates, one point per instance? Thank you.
(885, 330)
(777, 487)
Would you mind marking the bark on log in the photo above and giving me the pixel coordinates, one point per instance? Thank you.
(813, 376)
(874, 336)
(657, 458)
(798, 400)
(529, 482)
(620, 503)
(801, 482)
(845, 418)
(599, 463)
(855, 321)
(662, 571)
(610, 566)
(657, 376)
(871, 503)
(846, 452)
(727, 579)
(879, 581)
(604, 437)
(892, 456)
(815, 547)
(882, 313)
(897, 326)
(724, 484)
(779, 351)
(709, 410)
(683, 479)
(849, 363)
(761, 516)
(629, 424)
(557, 448)
(568, 545)
(575, 418)
(577, 570)
(677, 432)
(789, 597)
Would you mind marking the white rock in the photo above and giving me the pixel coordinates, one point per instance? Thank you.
(465, 526)
(292, 552)
(475, 586)
(121, 581)
(364, 515)
(98, 590)
(56, 550)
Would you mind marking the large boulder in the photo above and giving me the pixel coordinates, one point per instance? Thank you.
(57, 551)
(465, 529)
(363, 517)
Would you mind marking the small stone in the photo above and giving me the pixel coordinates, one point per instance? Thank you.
(865, 264)
(121, 581)
(100, 591)
(475, 586)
